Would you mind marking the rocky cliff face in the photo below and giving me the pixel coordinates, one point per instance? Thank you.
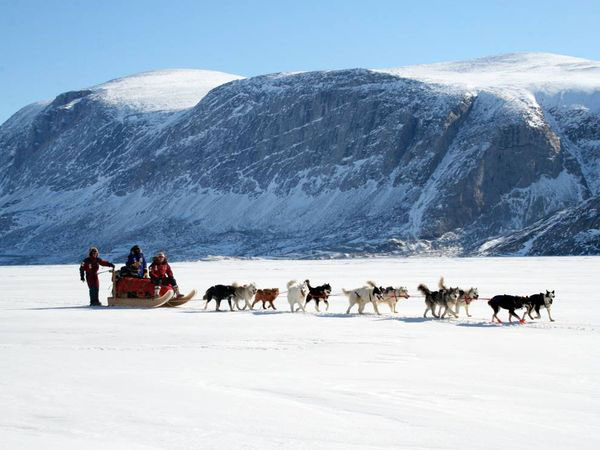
(410, 160)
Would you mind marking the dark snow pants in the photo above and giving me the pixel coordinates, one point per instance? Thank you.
(163, 281)
(94, 301)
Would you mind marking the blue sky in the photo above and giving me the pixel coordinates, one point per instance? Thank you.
(48, 47)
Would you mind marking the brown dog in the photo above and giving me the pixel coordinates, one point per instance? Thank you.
(265, 295)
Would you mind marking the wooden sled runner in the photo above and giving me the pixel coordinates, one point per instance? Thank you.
(178, 301)
(140, 302)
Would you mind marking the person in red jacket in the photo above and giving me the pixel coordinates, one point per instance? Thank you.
(88, 270)
(161, 274)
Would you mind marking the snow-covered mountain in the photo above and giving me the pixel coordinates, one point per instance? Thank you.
(455, 158)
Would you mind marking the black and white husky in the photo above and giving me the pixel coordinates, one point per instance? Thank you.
(464, 297)
(363, 295)
(537, 301)
(443, 298)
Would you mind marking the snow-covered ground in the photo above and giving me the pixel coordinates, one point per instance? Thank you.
(74, 377)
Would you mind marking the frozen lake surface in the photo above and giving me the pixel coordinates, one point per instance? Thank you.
(72, 377)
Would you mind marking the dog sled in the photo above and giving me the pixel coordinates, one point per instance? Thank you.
(139, 293)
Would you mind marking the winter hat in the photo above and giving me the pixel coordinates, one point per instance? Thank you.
(91, 250)
(134, 248)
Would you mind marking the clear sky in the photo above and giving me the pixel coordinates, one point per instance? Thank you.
(52, 46)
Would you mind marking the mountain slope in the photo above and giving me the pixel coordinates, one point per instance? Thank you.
(409, 160)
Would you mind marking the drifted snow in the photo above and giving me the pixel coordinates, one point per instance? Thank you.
(162, 90)
(73, 377)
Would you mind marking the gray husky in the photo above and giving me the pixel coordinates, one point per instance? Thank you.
(464, 297)
(442, 298)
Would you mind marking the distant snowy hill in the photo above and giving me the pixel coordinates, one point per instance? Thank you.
(476, 157)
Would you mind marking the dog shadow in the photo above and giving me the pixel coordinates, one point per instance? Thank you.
(267, 312)
(326, 315)
(483, 324)
(408, 319)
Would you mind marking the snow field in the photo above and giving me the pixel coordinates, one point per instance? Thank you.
(75, 377)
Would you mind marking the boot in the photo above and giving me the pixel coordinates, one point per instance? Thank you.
(156, 291)
(176, 289)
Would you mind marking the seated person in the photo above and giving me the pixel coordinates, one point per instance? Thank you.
(162, 275)
(136, 264)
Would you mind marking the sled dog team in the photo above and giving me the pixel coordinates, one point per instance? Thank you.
(446, 300)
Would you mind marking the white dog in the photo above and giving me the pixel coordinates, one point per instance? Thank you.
(391, 295)
(296, 295)
(363, 295)
(243, 292)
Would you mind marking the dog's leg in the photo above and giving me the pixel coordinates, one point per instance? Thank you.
(549, 316)
(467, 309)
(511, 313)
(375, 307)
(253, 303)
(326, 305)
(528, 310)
(272, 305)
(230, 303)
(206, 304)
(218, 304)
(317, 304)
(458, 308)
(361, 307)
(351, 304)
(537, 311)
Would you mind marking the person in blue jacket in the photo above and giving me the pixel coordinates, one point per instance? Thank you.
(136, 263)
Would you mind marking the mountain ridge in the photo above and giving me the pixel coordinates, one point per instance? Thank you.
(342, 162)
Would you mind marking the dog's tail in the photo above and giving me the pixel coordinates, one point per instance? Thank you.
(346, 292)
(424, 289)
(441, 284)
(372, 284)
(235, 284)
(291, 283)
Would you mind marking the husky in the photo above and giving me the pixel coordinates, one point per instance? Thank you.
(243, 292)
(509, 302)
(318, 294)
(363, 295)
(442, 298)
(537, 301)
(391, 295)
(296, 295)
(219, 292)
(464, 297)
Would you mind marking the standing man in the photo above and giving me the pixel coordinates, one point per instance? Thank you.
(89, 267)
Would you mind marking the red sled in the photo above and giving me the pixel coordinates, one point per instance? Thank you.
(139, 293)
